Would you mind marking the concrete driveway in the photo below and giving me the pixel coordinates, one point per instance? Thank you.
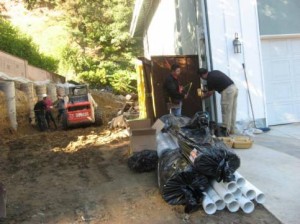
(273, 164)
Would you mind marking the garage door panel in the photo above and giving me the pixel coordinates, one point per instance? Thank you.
(265, 48)
(281, 62)
(295, 46)
(296, 90)
(280, 70)
(296, 69)
(297, 109)
(278, 48)
(282, 113)
(280, 91)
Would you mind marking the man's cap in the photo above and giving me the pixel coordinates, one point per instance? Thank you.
(44, 95)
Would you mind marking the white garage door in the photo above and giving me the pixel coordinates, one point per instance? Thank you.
(281, 62)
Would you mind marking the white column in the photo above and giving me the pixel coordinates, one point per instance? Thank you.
(8, 87)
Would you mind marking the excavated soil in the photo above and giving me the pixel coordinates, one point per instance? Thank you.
(81, 176)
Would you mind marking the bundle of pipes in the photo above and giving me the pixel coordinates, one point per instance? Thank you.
(236, 194)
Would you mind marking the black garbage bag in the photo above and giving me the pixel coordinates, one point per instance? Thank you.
(199, 136)
(217, 162)
(199, 120)
(179, 184)
(174, 122)
(143, 161)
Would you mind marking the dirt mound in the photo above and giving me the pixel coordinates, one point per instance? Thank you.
(109, 104)
(5, 125)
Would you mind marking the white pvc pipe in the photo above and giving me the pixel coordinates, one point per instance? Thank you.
(239, 179)
(233, 206)
(9, 90)
(237, 194)
(208, 205)
(259, 196)
(246, 205)
(221, 190)
(216, 198)
(230, 186)
(248, 192)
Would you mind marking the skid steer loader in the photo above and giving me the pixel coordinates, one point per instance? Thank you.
(80, 107)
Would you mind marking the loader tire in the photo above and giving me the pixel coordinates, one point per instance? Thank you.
(98, 117)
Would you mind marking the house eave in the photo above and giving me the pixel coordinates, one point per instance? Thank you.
(139, 17)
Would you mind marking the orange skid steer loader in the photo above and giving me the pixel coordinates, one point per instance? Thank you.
(80, 108)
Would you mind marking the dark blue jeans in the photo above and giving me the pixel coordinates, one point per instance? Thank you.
(41, 121)
(176, 110)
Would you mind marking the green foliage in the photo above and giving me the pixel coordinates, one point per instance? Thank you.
(96, 79)
(98, 49)
(14, 42)
(101, 41)
(30, 4)
(122, 82)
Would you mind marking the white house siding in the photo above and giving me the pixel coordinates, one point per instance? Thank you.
(160, 37)
(172, 29)
(186, 16)
(227, 17)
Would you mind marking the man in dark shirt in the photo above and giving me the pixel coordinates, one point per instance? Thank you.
(218, 81)
(174, 92)
(40, 111)
(48, 113)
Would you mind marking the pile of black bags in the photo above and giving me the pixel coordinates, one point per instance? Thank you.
(184, 173)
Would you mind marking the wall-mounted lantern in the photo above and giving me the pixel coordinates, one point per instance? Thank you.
(237, 45)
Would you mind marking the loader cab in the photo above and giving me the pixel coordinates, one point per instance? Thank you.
(78, 94)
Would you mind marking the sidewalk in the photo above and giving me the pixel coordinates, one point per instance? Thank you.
(272, 164)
